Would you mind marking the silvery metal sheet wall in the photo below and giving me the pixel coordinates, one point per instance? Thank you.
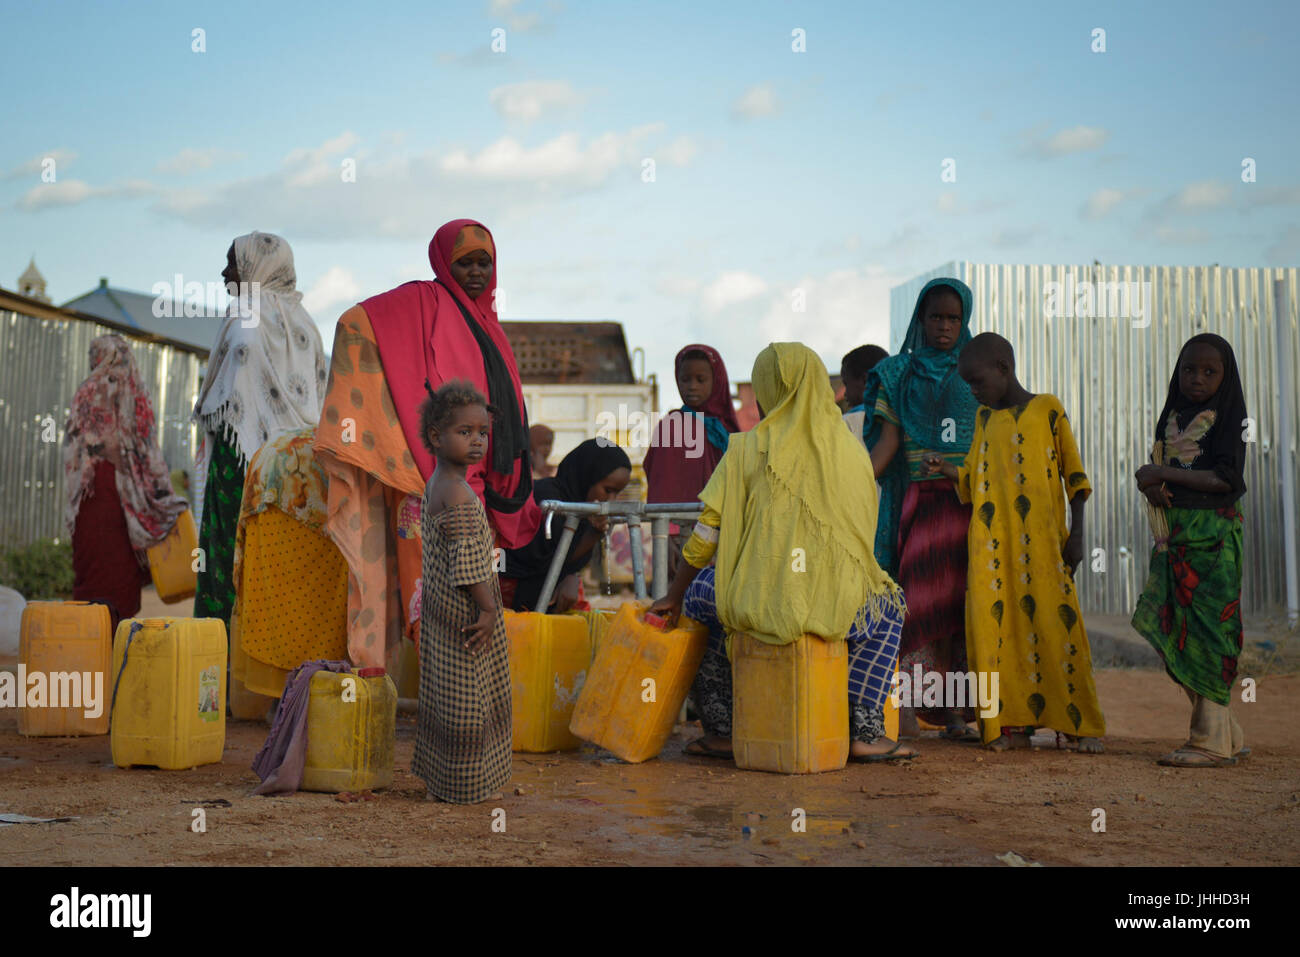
(42, 361)
(1112, 376)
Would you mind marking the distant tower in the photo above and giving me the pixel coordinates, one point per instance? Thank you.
(32, 284)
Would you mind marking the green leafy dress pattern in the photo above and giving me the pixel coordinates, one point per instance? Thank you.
(1022, 613)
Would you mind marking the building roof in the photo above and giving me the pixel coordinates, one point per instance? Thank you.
(25, 305)
(135, 311)
(31, 274)
(558, 352)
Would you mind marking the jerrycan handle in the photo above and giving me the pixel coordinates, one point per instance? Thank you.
(371, 672)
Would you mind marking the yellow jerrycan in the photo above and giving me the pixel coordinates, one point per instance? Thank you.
(168, 692)
(351, 731)
(549, 659)
(638, 682)
(171, 561)
(790, 705)
(65, 650)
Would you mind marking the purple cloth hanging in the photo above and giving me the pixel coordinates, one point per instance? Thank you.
(281, 761)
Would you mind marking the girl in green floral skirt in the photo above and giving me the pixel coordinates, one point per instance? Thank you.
(1190, 610)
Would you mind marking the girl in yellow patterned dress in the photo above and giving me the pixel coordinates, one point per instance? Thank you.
(1022, 613)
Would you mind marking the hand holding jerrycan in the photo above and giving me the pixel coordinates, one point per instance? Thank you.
(638, 683)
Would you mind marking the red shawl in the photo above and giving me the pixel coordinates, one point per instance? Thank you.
(671, 474)
(421, 335)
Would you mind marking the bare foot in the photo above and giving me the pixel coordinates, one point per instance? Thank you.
(1088, 746)
(1009, 742)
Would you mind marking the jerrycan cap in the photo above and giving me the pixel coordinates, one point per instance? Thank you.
(371, 672)
(655, 621)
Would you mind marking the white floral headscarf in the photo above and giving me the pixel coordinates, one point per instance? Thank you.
(268, 378)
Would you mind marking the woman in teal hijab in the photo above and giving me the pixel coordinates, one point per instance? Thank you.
(916, 404)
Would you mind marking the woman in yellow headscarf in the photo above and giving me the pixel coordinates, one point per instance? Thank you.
(792, 487)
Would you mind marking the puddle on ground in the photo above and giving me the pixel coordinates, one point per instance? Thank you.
(721, 825)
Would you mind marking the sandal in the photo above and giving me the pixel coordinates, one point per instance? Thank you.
(1192, 758)
(893, 754)
(697, 749)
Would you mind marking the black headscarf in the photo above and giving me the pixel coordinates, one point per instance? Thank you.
(510, 430)
(577, 473)
(1222, 450)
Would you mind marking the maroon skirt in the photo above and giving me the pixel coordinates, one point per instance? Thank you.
(104, 566)
(932, 566)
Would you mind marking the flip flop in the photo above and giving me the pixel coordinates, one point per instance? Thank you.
(1187, 758)
(890, 755)
(1243, 753)
(961, 733)
(698, 750)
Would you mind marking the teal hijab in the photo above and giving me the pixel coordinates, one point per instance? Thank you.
(922, 386)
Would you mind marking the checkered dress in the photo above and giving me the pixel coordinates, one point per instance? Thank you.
(463, 733)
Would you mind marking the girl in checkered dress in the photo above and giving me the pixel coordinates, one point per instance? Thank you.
(463, 734)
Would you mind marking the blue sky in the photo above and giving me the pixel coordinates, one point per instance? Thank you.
(775, 170)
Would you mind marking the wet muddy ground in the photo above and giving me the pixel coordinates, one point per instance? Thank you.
(955, 804)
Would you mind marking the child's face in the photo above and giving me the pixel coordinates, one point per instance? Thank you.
(473, 271)
(854, 386)
(610, 485)
(542, 450)
(988, 381)
(695, 382)
(941, 320)
(464, 440)
(1201, 372)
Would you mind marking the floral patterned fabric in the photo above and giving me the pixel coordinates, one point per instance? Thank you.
(112, 420)
(1190, 609)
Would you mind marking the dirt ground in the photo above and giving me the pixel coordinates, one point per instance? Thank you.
(955, 804)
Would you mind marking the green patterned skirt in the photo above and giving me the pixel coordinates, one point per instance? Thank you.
(214, 595)
(1190, 610)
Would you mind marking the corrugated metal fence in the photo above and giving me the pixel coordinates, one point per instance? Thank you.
(42, 361)
(1112, 374)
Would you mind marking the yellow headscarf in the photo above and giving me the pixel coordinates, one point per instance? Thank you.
(797, 498)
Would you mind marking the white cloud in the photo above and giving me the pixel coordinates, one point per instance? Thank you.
(402, 195)
(322, 164)
(336, 286)
(188, 160)
(843, 309)
(755, 102)
(65, 192)
(1208, 194)
(1076, 139)
(36, 165)
(520, 21)
(729, 289)
(529, 100)
(1101, 202)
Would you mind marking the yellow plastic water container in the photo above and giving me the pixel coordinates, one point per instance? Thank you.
(171, 561)
(168, 689)
(638, 683)
(598, 621)
(65, 650)
(351, 731)
(549, 659)
(790, 705)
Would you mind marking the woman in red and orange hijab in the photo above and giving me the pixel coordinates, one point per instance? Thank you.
(388, 351)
